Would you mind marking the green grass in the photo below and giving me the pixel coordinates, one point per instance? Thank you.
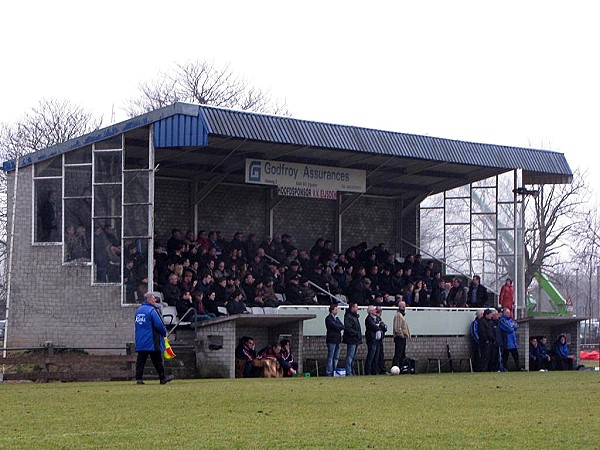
(510, 410)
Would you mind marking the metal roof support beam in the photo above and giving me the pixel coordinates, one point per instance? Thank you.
(208, 188)
(418, 199)
(272, 201)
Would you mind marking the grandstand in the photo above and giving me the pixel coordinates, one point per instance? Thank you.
(126, 186)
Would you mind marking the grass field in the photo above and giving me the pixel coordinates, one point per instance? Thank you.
(505, 410)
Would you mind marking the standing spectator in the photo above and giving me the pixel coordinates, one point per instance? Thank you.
(507, 296)
(48, 214)
(564, 360)
(474, 332)
(486, 340)
(508, 327)
(380, 352)
(401, 334)
(149, 334)
(478, 296)
(352, 336)
(373, 335)
(333, 339)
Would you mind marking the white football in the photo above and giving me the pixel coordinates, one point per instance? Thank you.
(395, 370)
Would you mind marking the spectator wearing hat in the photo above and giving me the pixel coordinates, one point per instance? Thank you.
(293, 295)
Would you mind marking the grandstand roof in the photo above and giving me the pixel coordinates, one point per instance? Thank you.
(203, 143)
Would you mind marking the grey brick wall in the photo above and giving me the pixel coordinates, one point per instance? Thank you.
(52, 302)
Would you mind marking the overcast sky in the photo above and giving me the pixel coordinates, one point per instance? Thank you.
(523, 73)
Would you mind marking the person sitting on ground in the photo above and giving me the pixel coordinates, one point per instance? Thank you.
(534, 355)
(245, 355)
(564, 360)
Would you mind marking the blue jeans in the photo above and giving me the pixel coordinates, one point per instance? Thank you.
(333, 355)
(350, 355)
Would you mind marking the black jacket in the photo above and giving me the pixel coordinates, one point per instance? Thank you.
(371, 328)
(334, 329)
(486, 331)
(352, 331)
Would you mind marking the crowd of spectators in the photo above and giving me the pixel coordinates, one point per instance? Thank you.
(207, 271)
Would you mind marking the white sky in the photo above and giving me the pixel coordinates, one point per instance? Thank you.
(523, 73)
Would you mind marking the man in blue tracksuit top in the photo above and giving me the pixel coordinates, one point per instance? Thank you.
(149, 333)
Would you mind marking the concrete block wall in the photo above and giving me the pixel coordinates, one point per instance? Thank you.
(52, 302)
(420, 348)
(171, 206)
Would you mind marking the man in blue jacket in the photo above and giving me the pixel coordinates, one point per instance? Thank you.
(149, 333)
(508, 327)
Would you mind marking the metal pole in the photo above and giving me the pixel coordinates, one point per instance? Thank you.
(10, 261)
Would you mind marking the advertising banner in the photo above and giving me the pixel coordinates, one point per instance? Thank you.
(305, 180)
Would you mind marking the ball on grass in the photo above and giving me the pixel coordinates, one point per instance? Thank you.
(395, 370)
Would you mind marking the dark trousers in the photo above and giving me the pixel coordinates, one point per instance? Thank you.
(475, 355)
(381, 357)
(515, 354)
(485, 353)
(399, 350)
(155, 357)
(372, 364)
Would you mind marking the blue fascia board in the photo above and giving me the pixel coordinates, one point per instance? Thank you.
(104, 133)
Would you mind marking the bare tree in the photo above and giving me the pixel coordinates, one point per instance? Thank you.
(551, 218)
(50, 122)
(203, 83)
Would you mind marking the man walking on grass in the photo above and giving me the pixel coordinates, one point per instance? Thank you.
(149, 333)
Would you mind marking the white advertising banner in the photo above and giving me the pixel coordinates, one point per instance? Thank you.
(305, 180)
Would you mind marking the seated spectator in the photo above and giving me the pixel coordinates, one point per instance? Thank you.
(419, 295)
(288, 362)
(457, 297)
(293, 295)
(221, 270)
(211, 304)
(270, 299)
(534, 355)
(563, 360)
(308, 293)
(341, 279)
(545, 358)
(171, 291)
(245, 355)
(407, 296)
(235, 304)
(186, 302)
(187, 284)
